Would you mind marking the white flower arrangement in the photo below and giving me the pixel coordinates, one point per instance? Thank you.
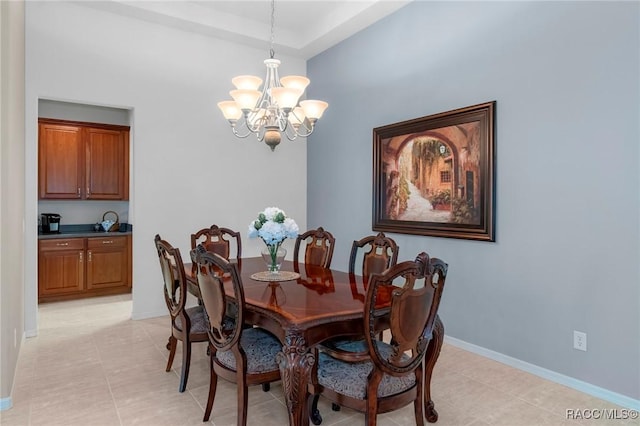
(273, 227)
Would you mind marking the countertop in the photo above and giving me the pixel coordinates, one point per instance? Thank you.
(82, 231)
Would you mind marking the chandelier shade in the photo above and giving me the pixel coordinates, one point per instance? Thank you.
(274, 110)
(295, 82)
(230, 110)
(248, 82)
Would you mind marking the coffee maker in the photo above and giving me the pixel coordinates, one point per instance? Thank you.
(50, 223)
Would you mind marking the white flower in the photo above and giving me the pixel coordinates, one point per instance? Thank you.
(273, 226)
(253, 232)
(291, 228)
(271, 212)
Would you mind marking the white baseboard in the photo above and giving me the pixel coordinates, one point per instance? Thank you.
(5, 403)
(598, 392)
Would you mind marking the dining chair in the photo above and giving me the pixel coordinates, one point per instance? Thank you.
(245, 356)
(318, 248)
(223, 241)
(188, 325)
(393, 376)
(376, 254)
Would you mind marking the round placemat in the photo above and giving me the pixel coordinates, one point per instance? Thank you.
(280, 276)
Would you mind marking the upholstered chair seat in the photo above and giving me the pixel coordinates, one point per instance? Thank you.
(198, 320)
(351, 378)
(260, 347)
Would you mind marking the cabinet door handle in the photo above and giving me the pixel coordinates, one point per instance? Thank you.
(88, 191)
(89, 253)
(80, 257)
(107, 242)
(62, 244)
(78, 192)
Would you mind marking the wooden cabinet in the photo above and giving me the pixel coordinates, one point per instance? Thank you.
(81, 267)
(107, 164)
(107, 262)
(60, 161)
(61, 266)
(83, 160)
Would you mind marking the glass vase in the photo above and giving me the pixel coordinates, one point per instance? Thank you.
(273, 256)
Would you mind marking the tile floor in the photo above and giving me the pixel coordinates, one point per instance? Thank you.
(92, 365)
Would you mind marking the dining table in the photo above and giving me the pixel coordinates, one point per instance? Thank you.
(304, 305)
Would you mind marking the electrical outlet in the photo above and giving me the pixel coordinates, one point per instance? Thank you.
(579, 340)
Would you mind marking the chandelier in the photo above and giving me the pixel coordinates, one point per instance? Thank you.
(275, 110)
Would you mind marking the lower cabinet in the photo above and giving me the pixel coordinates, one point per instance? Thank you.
(82, 267)
(60, 267)
(107, 262)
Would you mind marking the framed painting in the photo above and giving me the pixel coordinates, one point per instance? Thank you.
(435, 175)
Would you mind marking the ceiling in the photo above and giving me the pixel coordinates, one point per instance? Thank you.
(302, 27)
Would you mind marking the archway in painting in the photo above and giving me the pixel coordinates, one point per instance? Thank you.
(426, 178)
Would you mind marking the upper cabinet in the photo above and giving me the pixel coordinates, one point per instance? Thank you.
(107, 164)
(86, 161)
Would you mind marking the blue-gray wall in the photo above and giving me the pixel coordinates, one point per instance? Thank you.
(565, 78)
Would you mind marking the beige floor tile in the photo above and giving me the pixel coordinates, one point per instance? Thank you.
(80, 411)
(383, 420)
(132, 383)
(21, 395)
(501, 376)
(557, 398)
(450, 415)
(478, 422)
(157, 329)
(18, 415)
(402, 417)
(521, 413)
(162, 407)
(330, 417)
(59, 388)
(268, 413)
(225, 403)
(125, 333)
(466, 394)
(117, 358)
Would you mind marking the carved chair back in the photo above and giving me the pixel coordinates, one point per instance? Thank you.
(175, 281)
(225, 315)
(318, 249)
(414, 306)
(218, 240)
(378, 253)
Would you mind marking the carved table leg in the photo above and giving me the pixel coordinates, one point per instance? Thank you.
(433, 352)
(295, 362)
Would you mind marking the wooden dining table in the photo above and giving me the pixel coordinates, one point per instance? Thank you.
(302, 312)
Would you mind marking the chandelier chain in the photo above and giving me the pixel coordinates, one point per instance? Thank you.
(273, 18)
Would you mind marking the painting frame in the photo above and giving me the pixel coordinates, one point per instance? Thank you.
(460, 145)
